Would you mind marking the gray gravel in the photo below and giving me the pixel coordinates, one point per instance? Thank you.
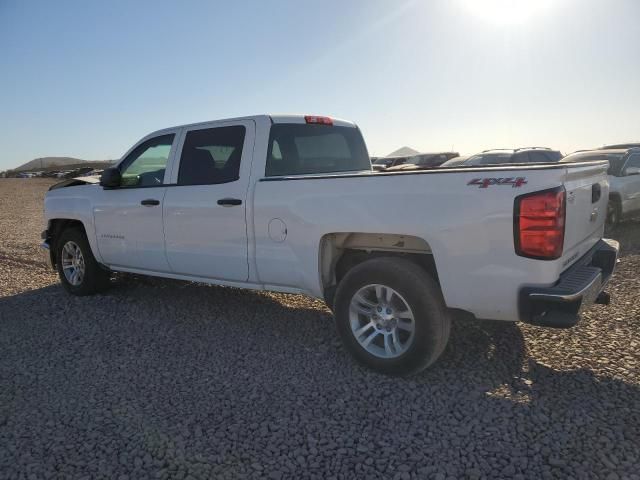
(161, 379)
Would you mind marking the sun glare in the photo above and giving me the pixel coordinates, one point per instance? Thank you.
(506, 12)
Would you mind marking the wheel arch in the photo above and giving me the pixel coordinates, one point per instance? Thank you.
(56, 226)
(341, 251)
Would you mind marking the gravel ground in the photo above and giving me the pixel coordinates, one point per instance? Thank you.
(161, 379)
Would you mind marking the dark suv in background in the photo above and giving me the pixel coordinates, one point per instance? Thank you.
(380, 163)
(425, 161)
(414, 162)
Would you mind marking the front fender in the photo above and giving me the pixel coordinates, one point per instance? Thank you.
(73, 204)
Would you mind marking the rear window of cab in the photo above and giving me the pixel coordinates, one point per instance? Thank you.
(303, 149)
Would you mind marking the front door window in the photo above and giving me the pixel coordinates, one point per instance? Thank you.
(145, 166)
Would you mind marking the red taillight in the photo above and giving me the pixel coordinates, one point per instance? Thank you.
(539, 224)
(318, 120)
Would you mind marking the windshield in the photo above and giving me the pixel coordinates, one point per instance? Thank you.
(298, 149)
(489, 158)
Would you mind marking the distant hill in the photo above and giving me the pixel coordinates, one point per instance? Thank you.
(403, 152)
(50, 163)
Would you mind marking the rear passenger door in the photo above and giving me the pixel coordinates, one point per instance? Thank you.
(205, 212)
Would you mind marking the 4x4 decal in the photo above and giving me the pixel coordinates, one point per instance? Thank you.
(487, 182)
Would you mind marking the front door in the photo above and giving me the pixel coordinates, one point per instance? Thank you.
(128, 219)
(205, 213)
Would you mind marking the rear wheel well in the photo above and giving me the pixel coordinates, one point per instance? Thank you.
(350, 258)
(341, 252)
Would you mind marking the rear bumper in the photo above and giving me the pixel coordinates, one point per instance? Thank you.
(579, 286)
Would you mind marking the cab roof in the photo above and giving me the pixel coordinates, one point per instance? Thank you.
(273, 118)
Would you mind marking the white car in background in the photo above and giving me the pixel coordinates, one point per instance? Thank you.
(624, 180)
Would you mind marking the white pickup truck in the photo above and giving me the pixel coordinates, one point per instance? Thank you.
(291, 204)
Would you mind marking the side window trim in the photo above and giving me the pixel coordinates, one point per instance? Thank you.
(173, 156)
(123, 163)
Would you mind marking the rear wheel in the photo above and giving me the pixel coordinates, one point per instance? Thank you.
(79, 271)
(391, 316)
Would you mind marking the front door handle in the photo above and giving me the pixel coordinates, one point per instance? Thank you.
(150, 202)
(229, 202)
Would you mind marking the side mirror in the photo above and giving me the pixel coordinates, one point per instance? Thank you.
(632, 171)
(110, 178)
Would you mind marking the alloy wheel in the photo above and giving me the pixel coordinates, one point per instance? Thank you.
(381, 321)
(73, 264)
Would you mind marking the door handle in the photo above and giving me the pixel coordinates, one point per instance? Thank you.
(229, 202)
(149, 202)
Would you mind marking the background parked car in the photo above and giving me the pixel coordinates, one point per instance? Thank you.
(424, 160)
(501, 156)
(456, 161)
(382, 163)
(621, 145)
(624, 180)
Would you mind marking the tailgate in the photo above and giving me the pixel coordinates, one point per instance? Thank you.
(587, 190)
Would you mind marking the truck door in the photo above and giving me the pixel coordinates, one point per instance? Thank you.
(205, 212)
(128, 219)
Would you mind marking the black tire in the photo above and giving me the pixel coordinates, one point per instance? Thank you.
(613, 215)
(95, 279)
(423, 295)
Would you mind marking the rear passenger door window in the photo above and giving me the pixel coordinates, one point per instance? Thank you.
(211, 156)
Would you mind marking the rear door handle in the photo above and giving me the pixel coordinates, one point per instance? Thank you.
(229, 202)
(150, 202)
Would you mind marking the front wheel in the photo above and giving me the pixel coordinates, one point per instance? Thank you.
(79, 271)
(391, 316)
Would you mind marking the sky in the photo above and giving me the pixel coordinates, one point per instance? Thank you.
(88, 79)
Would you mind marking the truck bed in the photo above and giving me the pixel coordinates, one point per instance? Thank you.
(465, 216)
